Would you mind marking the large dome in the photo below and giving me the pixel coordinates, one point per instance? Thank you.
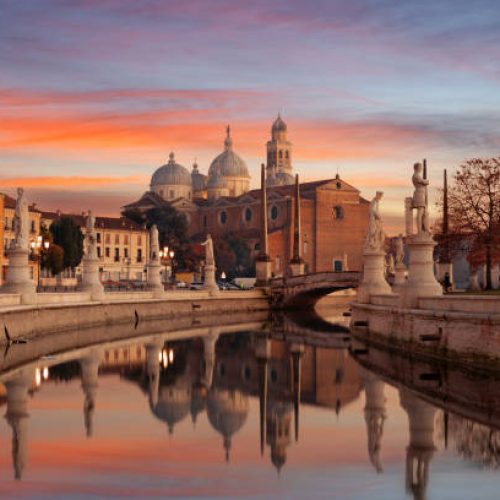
(228, 163)
(171, 174)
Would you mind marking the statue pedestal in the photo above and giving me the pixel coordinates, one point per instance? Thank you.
(421, 280)
(91, 282)
(263, 271)
(154, 282)
(296, 267)
(18, 279)
(399, 278)
(374, 282)
(210, 283)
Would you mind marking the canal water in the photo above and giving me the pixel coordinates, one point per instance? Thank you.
(275, 409)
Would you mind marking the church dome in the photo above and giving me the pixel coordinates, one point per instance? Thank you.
(280, 179)
(199, 180)
(279, 125)
(171, 174)
(216, 182)
(228, 163)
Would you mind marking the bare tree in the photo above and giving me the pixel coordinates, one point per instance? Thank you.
(474, 205)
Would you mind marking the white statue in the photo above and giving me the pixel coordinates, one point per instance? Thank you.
(375, 238)
(420, 199)
(21, 222)
(209, 251)
(90, 238)
(154, 244)
(400, 252)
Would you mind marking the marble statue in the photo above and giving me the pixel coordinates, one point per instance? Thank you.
(209, 251)
(420, 199)
(21, 222)
(400, 253)
(375, 238)
(90, 237)
(155, 243)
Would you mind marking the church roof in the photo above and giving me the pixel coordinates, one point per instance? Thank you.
(280, 179)
(171, 174)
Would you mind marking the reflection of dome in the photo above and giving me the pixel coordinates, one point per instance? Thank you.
(227, 412)
(228, 163)
(279, 125)
(198, 401)
(173, 405)
(171, 174)
(280, 179)
(199, 180)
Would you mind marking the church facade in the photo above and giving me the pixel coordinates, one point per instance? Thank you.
(334, 216)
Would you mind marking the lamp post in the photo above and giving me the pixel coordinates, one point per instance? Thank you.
(36, 247)
(223, 278)
(171, 255)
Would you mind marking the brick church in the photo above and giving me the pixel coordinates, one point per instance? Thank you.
(334, 217)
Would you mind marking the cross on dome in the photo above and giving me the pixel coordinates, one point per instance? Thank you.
(228, 142)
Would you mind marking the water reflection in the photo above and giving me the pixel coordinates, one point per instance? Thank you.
(219, 374)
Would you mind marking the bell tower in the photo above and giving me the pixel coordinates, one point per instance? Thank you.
(279, 150)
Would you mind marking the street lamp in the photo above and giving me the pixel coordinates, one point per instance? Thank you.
(36, 247)
(171, 255)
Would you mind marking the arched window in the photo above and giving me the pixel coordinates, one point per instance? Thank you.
(274, 212)
(286, 155)
(248, 214)
(338, 212)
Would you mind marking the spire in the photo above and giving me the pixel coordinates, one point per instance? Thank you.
(228, 142)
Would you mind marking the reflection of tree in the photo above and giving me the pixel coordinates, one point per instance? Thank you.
(475, 442)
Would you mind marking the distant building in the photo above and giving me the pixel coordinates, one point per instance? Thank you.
(334, 216)
(122, 245)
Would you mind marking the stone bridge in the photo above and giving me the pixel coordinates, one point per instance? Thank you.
(302, 292)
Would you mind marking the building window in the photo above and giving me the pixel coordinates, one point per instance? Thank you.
(337, 266)
(286, 155)
(274, 212)
(125, 253)
(98, 236)
(108, 239)
(339, 184)
(223, 217)
(33, 229)
(139, 255)
(338, 213)
(117, 239)
(172, 194)
(106, 252)
(99, 252)
(280, 154)
(257, 247)
(139, 240)
(248, 214)
(125, 239)
(117, 255)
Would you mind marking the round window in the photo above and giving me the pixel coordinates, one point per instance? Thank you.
(248, 215)
(274, 212)
(223, 217)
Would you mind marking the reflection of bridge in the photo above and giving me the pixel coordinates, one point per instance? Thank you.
(302, 292)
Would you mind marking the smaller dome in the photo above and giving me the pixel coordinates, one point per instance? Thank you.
(216, 182)
(199, 180)
(280, 179)
(171, 174)
(279, 125)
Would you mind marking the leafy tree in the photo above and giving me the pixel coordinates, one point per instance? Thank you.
(67, 235)
(53, 259)
(474, 206)
(233, 256)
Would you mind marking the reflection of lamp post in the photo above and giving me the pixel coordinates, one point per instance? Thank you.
(223, 276)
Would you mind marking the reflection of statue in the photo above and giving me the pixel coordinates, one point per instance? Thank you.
(155, 244)
(209, 251)
(376, 237)
(400, 253)
(21, 221)
(90, 237)
(420, 200)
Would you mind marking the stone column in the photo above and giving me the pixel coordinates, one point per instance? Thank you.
(421, 448)
(263, 262)
(296, 263)
(153, 266)
(210, 283)
(18, 279)
(408, 216)
(399, 278)
(91, 282)
(373, 282)
(209, 343)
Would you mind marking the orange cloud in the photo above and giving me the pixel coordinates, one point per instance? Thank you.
(68, 182)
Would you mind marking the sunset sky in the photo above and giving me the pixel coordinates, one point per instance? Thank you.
(95, 94)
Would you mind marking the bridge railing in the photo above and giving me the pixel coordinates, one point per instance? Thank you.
(323, 277)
